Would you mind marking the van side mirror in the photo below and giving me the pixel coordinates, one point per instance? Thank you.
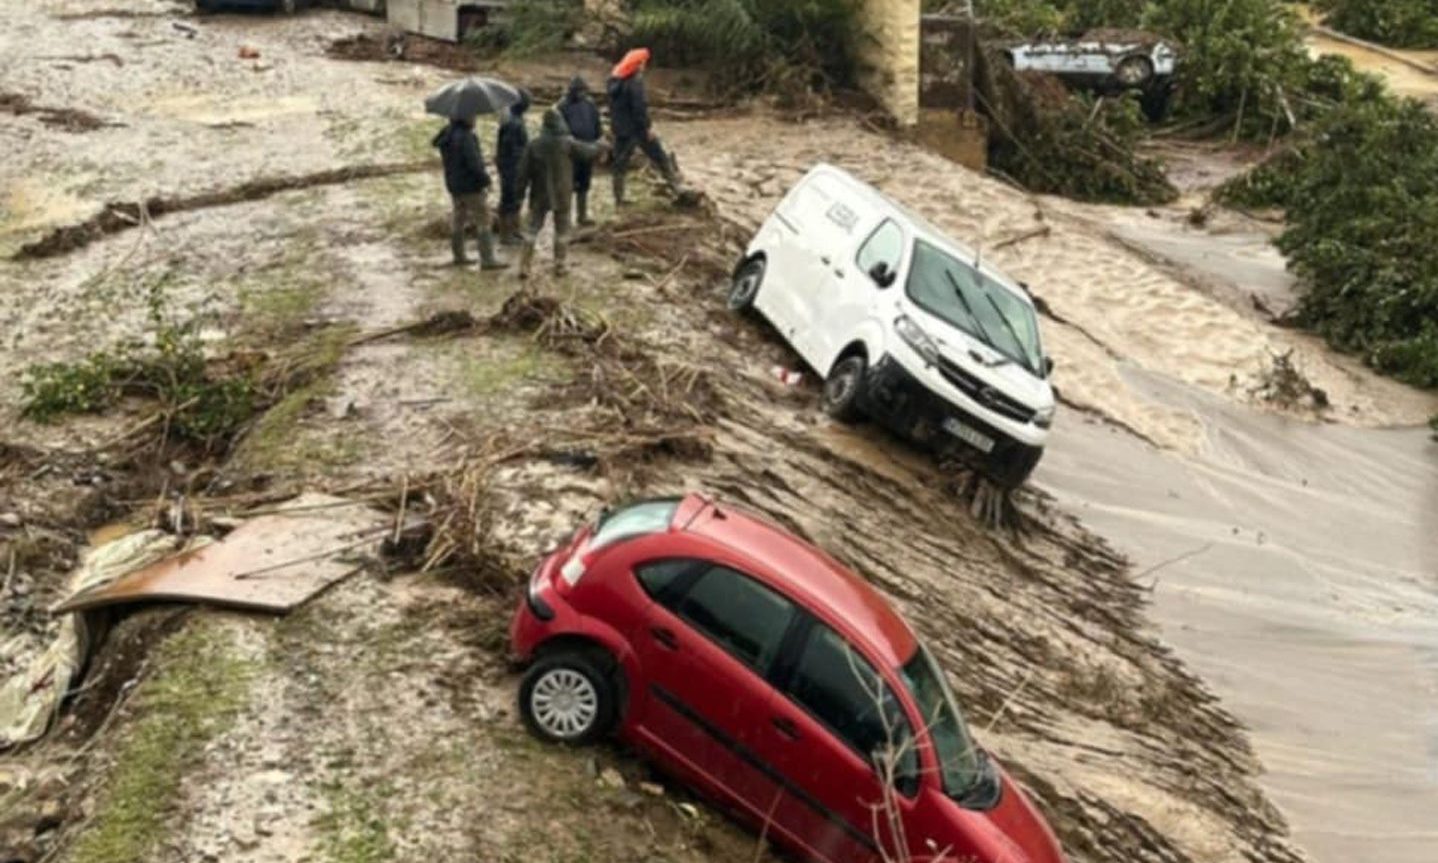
(881, 274)
(1048, 367)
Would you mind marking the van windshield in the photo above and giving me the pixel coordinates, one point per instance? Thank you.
(958, 293)
(960, 763)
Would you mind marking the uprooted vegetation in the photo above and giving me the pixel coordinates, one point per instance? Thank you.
(189, 398)
(1281, 383)
(1402, 23)
(1359, 192)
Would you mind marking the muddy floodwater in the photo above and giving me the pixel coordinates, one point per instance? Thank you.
(1295, 564)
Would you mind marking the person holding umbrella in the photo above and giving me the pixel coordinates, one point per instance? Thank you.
(547, 172)
(465, 177)
(629, 117)
(581, 115)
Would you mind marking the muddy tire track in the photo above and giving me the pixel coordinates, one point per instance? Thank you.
(115, 217)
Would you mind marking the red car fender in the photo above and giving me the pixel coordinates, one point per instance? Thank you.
(617, 645)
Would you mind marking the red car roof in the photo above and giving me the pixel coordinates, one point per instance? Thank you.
(805, 573)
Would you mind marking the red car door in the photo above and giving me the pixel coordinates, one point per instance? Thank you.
(833, 715)
(710, 635)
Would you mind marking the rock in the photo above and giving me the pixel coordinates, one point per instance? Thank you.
(653, 789)
(611, 778)
(628, 800)
(10, 519)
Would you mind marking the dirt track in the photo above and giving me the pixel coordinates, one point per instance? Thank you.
(378, 720)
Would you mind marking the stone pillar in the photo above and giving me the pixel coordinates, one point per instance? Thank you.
(891, 53)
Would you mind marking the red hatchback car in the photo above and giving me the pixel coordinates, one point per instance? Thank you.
(756, 668)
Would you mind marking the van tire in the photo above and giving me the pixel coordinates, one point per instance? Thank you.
(569, 682)
(1014, 468)
(843, 388)
(744, 288)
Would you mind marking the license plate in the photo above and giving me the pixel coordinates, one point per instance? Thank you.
(969, 435)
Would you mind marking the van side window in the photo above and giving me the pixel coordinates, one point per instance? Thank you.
(885, 244)
(738, 613)
(842, 690)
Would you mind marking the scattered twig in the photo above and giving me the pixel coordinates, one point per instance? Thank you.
(1170, 562)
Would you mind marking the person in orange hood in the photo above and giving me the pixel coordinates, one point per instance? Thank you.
(629, 120)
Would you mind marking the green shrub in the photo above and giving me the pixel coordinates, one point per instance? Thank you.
(746, 44)
(1404, 23)
(1361, 194)
(170, 368)
(531, 27)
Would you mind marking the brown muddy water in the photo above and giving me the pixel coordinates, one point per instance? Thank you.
(1295, 565)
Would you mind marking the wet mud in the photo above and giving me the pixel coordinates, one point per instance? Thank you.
(381, 716)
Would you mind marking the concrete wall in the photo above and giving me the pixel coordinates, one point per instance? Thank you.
(891, 51)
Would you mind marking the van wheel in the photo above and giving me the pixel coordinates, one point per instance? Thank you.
(745, 287)
(566, 697)
(843, 387)
(1013, 469)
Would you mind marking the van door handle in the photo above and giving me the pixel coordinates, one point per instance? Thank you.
(839, 271)
(665, 637)
(786, 727)
(827, 261)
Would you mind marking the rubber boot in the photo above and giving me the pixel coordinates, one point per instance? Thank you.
(526, 259)
(456, 245)
(487, 258)
(561, 254)
(670, 172)
(581, 208)
(509, 234)
(619, 190)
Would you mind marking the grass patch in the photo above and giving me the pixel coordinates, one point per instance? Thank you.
(274, 442)
(511, 364)
(276, 299)
(194, 696)
(353, 830)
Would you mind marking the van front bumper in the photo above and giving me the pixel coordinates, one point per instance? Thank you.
(894, 397)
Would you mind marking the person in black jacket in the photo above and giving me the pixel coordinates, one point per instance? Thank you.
(629, 117)
(581, 115)
(508, 150)
(468, 183)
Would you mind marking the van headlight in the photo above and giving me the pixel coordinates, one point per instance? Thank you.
(915, 337)
(1045, 418)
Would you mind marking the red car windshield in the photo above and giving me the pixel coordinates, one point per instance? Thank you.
(960, 764)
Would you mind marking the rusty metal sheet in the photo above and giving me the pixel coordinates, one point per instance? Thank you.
(270, 563)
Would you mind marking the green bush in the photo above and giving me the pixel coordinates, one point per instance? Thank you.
(746, 44)
(531, 27)
(170, 368)
(1361, 194)
(1404, 23)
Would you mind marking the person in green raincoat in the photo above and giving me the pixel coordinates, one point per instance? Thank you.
(546, 171)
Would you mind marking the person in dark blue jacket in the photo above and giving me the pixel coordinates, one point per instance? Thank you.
(581, 115)
(468, 184)
(629, 118)
(508, 150)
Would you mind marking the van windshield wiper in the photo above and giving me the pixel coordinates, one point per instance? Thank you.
(983, 333)
(1009, 325)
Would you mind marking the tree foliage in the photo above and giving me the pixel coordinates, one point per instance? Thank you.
(752, 43)
(1361, 194)
(1404, 23)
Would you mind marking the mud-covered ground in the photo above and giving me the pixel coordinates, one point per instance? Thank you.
(290, 199)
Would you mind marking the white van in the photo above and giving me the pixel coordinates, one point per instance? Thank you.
(904, 324)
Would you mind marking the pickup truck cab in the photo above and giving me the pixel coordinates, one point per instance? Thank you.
(904, 324)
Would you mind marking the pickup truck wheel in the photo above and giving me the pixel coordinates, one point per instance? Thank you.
(843, 387)
(566, 697)
(745, 287)
(1133, 72)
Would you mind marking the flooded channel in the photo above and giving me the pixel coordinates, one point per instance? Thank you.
(1295, 565)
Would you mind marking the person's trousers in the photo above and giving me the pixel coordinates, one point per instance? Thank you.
(537, 218)
(624, 151)
(469, 211)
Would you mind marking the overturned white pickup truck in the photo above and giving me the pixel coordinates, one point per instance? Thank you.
(1106, 61)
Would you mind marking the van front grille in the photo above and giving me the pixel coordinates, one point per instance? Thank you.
(984, 394)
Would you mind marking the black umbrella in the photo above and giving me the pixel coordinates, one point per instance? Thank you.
(466, 98)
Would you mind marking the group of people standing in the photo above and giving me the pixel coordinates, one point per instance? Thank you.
(554, 169)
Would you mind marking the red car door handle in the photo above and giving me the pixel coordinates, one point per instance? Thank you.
(786, 727)
(665, 637)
